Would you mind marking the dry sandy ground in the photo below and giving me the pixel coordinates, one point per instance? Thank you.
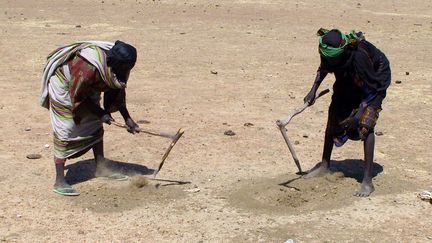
(223, 188)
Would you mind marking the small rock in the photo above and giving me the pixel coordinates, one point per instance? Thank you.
(182, 33)
(193, 190)
(78, 26)
(406, 73)
(379, 133)
(34, 156)
(229, 133)
(46, 145)
(305, 136)
(248, 124)
(213, 72)
(143, 122)
(27, 129)
(398, 82)
(19, 215)
(296, 142)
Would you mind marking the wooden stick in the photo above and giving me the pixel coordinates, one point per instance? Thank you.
(173, 142)
(160, 134)
(283, 122)
(174, 139)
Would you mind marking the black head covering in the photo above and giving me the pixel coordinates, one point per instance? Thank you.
(333, 38)
(121, 58)
(122, 53)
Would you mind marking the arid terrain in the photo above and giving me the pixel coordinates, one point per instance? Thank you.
(210, 67)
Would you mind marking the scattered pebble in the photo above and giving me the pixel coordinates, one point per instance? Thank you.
(248, 124)
(213, 72)
(27, 129)
(182, 33)
(229, 133)
(296, 142)
(78, 26)
(46, 145)
(305, 135)
(143, 122)
(193, 190)
(379, 133)
(398, 82)
(406, 73)
(34, 156)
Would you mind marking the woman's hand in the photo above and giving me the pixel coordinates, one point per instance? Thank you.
(132, 127)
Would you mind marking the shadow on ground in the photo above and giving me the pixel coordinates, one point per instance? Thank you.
(350, 168)
(84, 170)
(354, 168)
(111, 196)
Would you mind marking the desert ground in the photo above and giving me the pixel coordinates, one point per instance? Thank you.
(209, 67)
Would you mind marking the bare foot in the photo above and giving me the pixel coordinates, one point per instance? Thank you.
(365, 190)
(319, 170)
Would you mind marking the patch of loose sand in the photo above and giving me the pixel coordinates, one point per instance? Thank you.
(294, 195)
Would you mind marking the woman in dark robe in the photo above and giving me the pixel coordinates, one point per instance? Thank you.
(362, 75)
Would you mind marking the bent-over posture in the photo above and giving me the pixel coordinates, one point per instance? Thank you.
(362, 75)
(73, 80)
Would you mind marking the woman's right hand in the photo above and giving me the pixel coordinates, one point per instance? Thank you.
(310, 97)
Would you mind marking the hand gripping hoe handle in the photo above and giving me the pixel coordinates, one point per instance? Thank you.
(283, 122)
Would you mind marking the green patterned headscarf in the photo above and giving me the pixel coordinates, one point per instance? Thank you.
(330, 51)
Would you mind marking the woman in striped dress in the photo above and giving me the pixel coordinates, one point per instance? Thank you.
(73, 80)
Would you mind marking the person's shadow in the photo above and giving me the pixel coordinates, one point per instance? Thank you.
(354, 168)
(351, 168)
(85, 170)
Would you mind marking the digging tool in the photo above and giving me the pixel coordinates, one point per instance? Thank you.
(283, 122)
(173, 142)
(174, 139)
(159, 134)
